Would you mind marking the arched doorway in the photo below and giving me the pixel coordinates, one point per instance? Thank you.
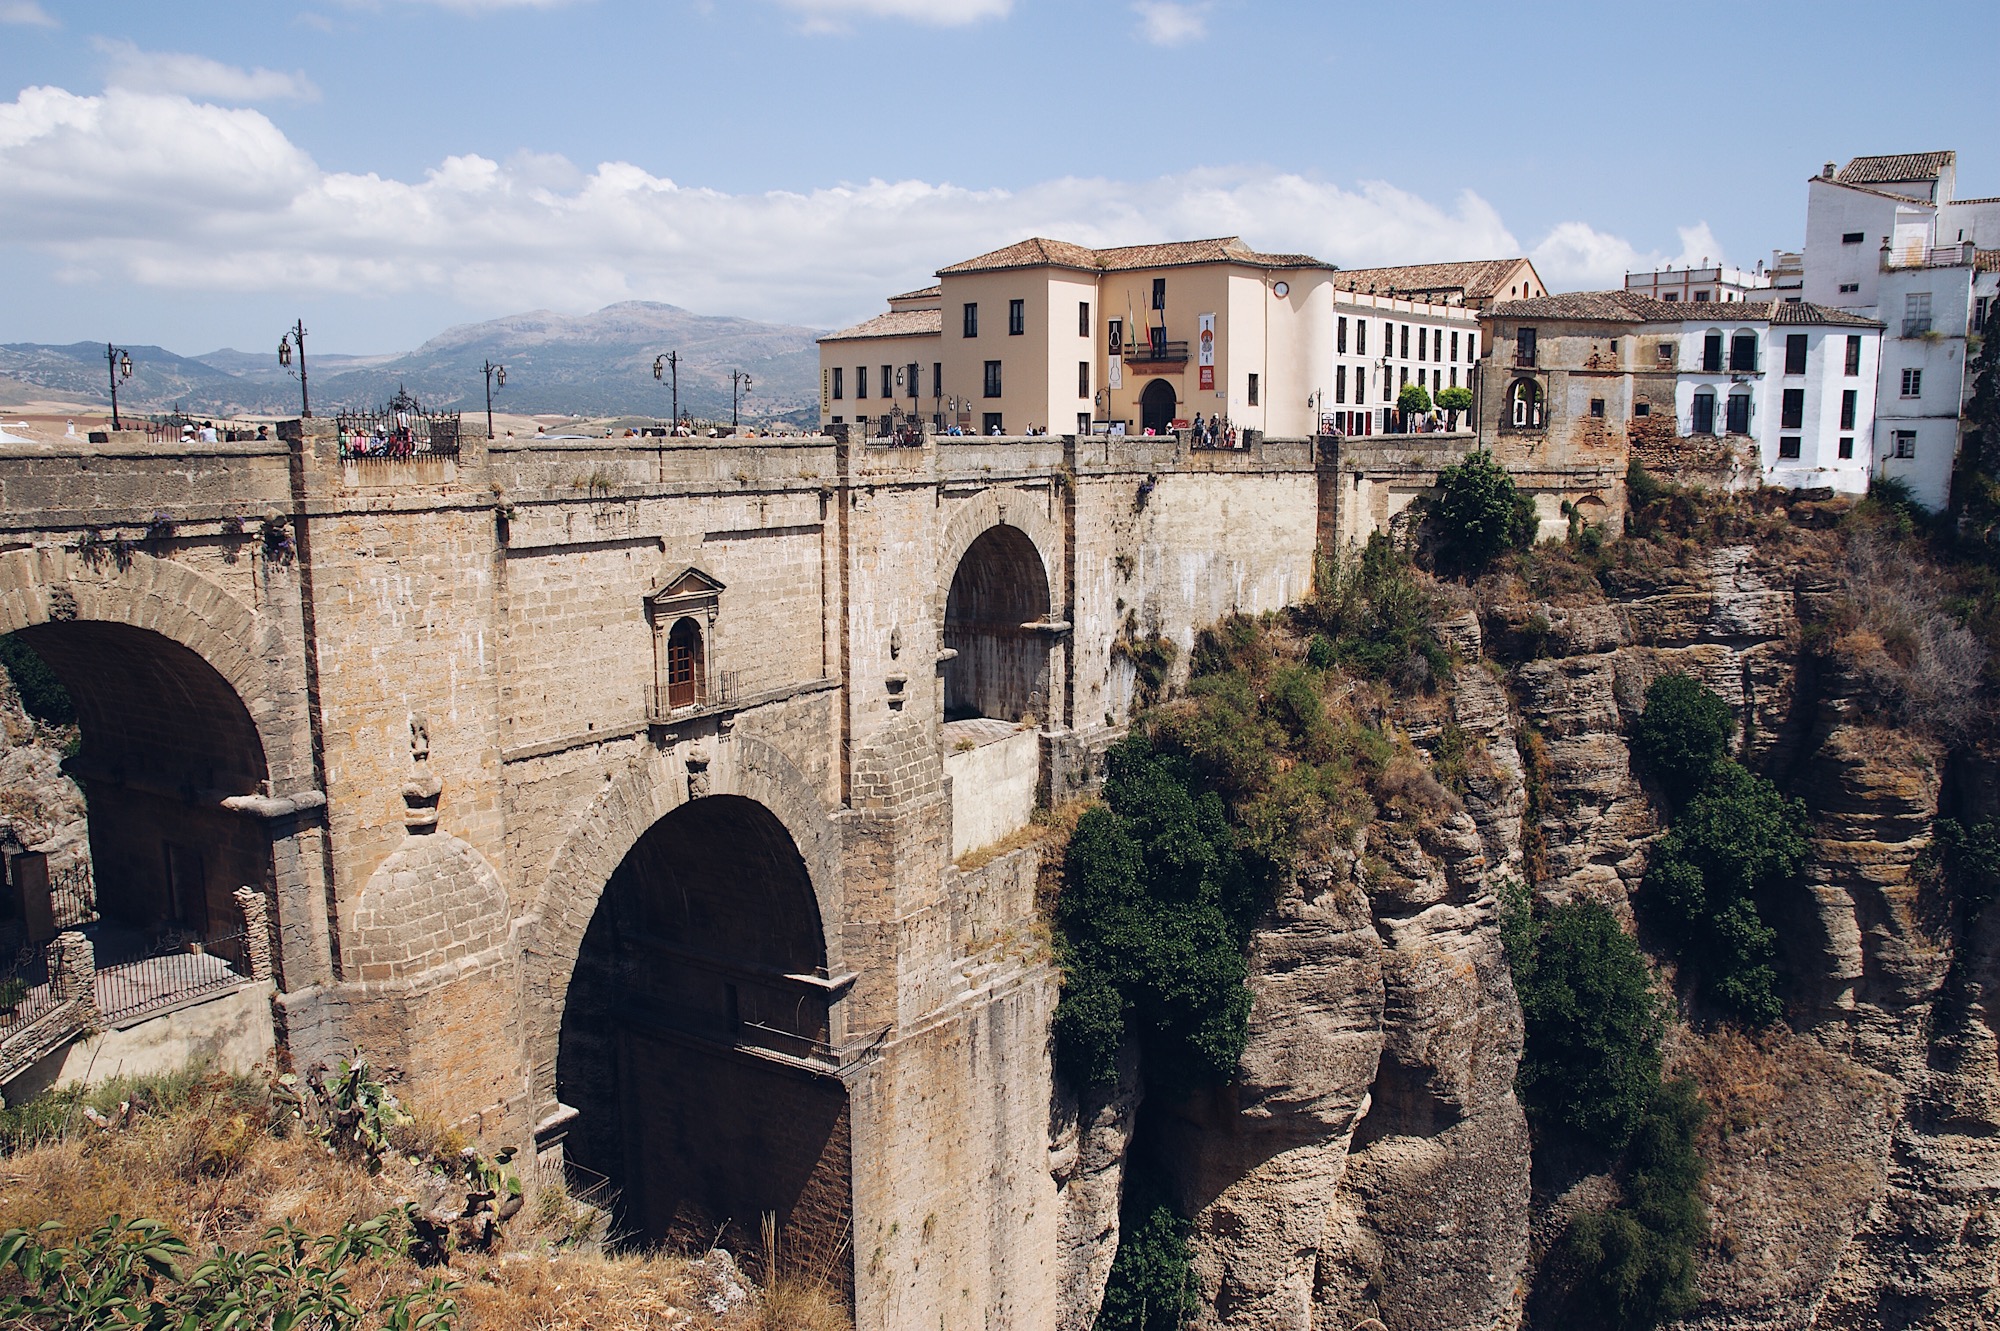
(1156, 406)
(695, 1039)
(1001, 667)
(163, 742)
(684, 664)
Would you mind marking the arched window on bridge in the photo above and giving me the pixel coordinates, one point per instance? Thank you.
(1524, 404)
(683, 610)
(996, 622)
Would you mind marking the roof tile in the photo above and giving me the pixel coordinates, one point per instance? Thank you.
(1896, 168)
(1478, 278)
(896, 323)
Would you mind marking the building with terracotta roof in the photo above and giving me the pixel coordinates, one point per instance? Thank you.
(1475, 283)
(1785, 390)
(1048, 335)
(1888, 238)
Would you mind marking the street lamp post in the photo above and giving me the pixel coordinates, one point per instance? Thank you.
(662, 366)
(297, 333)
(496, 377)
(118, 364)
(739, 387)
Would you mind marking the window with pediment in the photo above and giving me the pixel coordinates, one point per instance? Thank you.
(683, 611)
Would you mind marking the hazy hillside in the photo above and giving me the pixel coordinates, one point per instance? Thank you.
(592, 365)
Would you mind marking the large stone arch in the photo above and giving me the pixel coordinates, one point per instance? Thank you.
(55, 585)
(605, 832)
(1011, 530)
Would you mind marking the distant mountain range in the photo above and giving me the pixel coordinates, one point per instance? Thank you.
(589, 365)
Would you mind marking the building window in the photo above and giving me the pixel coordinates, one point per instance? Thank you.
(1916, 314)
(1597, 408)
(1340, 384)
(1159, 293)
(1913, 383)
(1701, 298)
(1360, 339)
(1793, 411)
(1671, 297)
(1083, 321)
(1981, 307)
(1454, 349)
(971, 319)
(1406, 342)
(1454, 376)
(1711, 353)
(838, 376)
(990, 423)
(1849, 288)
(1847, 446)
(1795, 353)
(1083, 417)
(888, 381)
(1470, 354)
(1083, 378)
(1853, 354)
(1421, 340)
(1524, 346)
(1703, 421)
(1340, 336)
(993, 378)
(916, 372)
(1853, 238)
(1848, 402)
(1253, 390)
(1525, 404)
(1666, 351)
(937, 379)
(861, 381)
(684, 664)
(1738, 421)
(1406, 375)
(1743, 353)
(1906, 443)
(1788, 446)
(1360, 385)
(1017, 317)
(1643, 409)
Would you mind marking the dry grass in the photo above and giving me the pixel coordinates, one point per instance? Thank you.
(210, 1158)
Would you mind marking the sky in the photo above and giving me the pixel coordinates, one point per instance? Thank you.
(201, 174)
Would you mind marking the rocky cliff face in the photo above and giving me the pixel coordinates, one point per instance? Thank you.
(1373, 1162)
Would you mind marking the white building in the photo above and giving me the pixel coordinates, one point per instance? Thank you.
(1887, 237)
(1700, 286)
(1381, 343)
(1797, 382)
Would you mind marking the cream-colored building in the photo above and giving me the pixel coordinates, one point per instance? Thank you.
(1048, 336)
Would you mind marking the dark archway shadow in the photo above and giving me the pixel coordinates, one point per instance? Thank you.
(1001, 669)
(164, 741)
(694, 1043)
(1156, 406)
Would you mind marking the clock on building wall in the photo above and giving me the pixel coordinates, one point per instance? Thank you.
(1282, 290)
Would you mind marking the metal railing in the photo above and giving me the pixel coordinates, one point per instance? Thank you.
(72, 896)
(717, 690)
(1163, 350)
(1917, 326)
(401, 432)
(38, 973)
(133, 987)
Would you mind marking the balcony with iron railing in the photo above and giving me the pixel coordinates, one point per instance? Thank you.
(676, 702)
(1155, 351)
(1963, 255)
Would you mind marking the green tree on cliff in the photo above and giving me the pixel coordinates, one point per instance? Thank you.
(1478, 513)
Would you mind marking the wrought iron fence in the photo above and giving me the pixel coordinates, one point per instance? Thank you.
(401, 431)
(169, 977)
(30, 987)
(718, 690)
(73, 896)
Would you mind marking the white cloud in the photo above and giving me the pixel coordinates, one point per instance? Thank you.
(1166, 23)
(833, 15)
(1575, 255)
(232, 205)
(135, 70)
(25, 13)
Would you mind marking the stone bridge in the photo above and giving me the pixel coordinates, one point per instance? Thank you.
(652, 802)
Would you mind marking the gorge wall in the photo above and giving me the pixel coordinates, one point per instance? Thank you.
(1372, 1161)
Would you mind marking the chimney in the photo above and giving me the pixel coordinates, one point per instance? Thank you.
(1826, 172)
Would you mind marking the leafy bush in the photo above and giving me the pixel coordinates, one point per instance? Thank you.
(1683, 732)
(42, 694)
(1414, 400)
(1735, 841)
(1478, 513)
(1382, 618)
(1152, 1283)
(1966, 860)
(1455, 399)
(1592, 1057)
(1631, 1267)
(1151, 923)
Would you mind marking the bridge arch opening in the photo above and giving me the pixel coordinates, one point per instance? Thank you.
(695, 1043)
(163, 741)
(999, 594)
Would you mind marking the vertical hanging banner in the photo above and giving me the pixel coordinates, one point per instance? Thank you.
(1116, 378)
(1207, 361)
